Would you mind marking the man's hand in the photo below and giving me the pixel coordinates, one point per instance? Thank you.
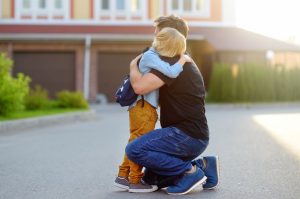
(133, 63)
(143, 84)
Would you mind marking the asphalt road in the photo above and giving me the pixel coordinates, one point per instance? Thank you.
(80, 160)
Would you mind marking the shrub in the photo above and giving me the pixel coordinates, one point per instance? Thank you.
(37, 98)
(12, 90)
(67, 99)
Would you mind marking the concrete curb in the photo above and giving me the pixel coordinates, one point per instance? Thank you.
(36, 122)
(252, 105)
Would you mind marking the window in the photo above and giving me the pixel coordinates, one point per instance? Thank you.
(42, 9)
(116, 10)
(187, 5)
(105, 5)
(175, 4)
(59, 8)
(189, 8)
(199, 4)
(26, 4)
(58, 4)
(135, 5)
(42, 4)
(120, 4)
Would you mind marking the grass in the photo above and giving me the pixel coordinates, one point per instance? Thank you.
(37, 113)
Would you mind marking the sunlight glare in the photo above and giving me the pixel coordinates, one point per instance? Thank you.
(278, 19)
(284, 128)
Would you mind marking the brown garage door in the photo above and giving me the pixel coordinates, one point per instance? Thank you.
(112, 67)
(54, 71)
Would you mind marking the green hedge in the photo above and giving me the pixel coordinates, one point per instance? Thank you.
(37, 99)
(67, 99)
(12, 90)
(254, 83)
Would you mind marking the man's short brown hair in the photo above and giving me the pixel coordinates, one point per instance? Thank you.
(172, 21)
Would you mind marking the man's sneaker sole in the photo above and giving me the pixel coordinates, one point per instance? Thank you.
(154, 188)
(121, 186)
(218, 174)
(201, 181)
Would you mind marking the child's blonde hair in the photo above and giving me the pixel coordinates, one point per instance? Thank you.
(169, 42)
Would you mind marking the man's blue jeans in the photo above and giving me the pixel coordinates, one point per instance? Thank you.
(166, 151)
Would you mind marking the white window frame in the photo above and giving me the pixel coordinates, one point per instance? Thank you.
(35, 11)
(24, 11)
(64, 11)
(140, 11)
(113, 13)
(205, 12)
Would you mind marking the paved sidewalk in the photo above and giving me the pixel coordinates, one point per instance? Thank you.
(80, 160)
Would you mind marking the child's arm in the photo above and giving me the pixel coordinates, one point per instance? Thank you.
(151, 59)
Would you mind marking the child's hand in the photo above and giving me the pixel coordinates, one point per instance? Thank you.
(186, 58)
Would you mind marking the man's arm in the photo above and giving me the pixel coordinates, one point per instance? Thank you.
(143, 84)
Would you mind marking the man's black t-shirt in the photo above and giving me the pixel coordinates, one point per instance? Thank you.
(182, 100)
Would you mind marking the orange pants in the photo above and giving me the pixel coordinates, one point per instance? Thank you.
(142, 120)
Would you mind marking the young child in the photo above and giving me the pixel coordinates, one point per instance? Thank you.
(142, 115)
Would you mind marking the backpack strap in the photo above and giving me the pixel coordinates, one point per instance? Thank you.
(143, 101)
(138, 62)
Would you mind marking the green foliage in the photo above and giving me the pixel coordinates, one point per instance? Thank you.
(38, 113)
(12, 90)
(5, 65)
(37, 99)
(67, 99)
(254, 83)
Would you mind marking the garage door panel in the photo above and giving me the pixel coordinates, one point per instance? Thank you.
(55, 71)
(112, 68)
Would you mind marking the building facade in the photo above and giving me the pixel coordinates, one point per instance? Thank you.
(87, 45)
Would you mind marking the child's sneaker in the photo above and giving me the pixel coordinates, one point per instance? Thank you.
(187, 183)
(142, 187)
(122, 183)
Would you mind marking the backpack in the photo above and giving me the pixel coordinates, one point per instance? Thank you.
(125, 94)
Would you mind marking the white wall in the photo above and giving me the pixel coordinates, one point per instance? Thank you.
(229, 12)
